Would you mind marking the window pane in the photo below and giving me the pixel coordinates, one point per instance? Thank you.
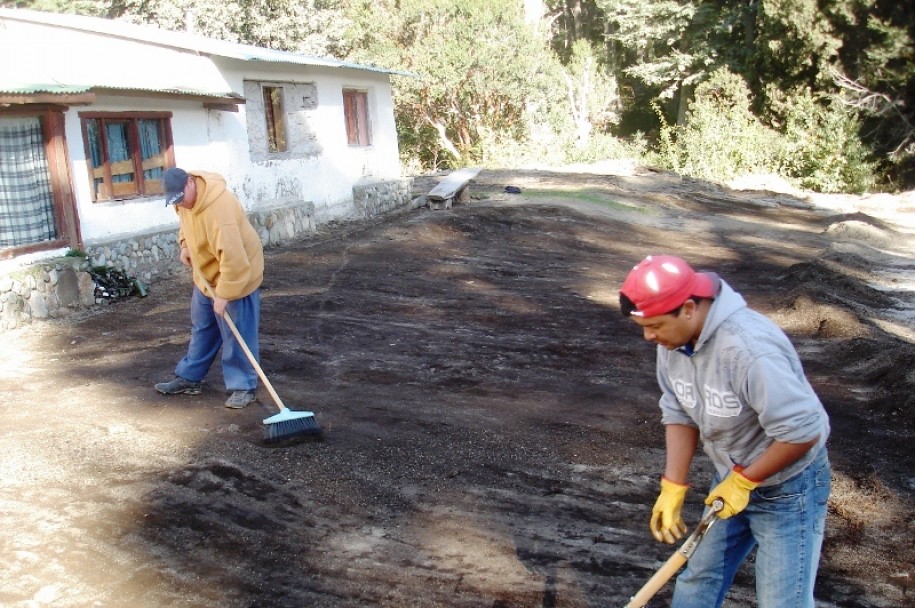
(127, 152)
(96, 158)
(276, 124)
(26, 202)
(151, 154)
(362, 112)
(120, 157)
(349, 115)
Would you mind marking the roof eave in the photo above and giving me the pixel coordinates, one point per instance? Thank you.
(44, 97)
(87, 96)
(204, 97)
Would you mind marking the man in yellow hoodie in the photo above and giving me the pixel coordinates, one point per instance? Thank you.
(222, 248)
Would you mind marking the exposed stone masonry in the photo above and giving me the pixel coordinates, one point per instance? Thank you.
(375, 198)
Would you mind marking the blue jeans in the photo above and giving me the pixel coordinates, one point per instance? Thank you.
(787, 522)
(210, 332)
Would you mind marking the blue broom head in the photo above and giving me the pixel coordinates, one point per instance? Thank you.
(290, 425)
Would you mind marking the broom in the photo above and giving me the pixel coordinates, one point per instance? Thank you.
(287, 424)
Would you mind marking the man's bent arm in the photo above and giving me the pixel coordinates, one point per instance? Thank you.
(776, 457)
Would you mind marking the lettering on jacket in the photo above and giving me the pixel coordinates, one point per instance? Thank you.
(721, 404)
(686, 393)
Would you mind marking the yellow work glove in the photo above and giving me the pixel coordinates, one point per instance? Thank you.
(666, 524)
(734, 491)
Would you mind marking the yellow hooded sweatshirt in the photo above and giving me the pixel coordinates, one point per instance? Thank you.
(223, 244)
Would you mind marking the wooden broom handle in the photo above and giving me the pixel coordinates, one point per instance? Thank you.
(257, 367)
(244, 347)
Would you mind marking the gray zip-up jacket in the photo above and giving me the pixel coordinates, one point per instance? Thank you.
(743, 387)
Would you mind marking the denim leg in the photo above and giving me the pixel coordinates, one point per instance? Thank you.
(710, 571)
(237, 370)
(788, 520)
(206, 338)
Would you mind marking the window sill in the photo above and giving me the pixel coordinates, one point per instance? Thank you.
(13, 252)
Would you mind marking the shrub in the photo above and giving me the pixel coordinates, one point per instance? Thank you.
(721, 138)
(822, 150)
(814, 143)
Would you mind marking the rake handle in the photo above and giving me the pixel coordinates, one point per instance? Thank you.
(677, 560)
(658, 580)
(248, 353)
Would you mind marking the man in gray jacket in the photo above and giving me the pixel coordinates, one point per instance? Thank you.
(731, 378)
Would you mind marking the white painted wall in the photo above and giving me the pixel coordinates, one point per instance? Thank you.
(215, 140)
(327, 180)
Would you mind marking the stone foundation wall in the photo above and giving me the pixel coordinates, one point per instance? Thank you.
(376, 198)
(285, 220)
(47, 290)
(56, 288)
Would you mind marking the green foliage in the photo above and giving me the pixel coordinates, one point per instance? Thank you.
(478, 68)
(794, 45)
(592, 93)
(821, 148)
(721, 138)
(877, 78)
(658, 38)
(312, 27)
(817, 145)
(93, 8)
(492, 88)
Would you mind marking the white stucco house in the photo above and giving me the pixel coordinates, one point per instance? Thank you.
(92, 111)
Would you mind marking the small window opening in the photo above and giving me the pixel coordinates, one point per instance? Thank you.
(356, 113)
(276, 123)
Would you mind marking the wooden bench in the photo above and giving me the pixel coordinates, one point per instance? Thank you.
(452, 187)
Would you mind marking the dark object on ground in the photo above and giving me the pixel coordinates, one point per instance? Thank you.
(113, 285)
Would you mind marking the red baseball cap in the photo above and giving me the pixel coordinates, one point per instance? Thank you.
(661, 283)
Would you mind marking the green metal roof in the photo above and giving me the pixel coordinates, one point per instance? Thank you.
(55, 89)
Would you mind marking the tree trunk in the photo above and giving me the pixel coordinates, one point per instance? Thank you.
(683, 98)
(443, 138)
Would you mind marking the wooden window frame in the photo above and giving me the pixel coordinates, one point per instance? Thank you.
(108, 190)
(356, 116)
(53, 132)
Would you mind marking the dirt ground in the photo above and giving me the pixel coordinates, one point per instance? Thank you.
(491, 435)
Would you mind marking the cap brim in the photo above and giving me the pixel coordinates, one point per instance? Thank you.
(174, 198)
(706, 285)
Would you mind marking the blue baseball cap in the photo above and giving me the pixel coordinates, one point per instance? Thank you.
(173, 182)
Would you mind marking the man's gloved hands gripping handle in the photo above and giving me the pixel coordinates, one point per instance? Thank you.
(666, 522)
